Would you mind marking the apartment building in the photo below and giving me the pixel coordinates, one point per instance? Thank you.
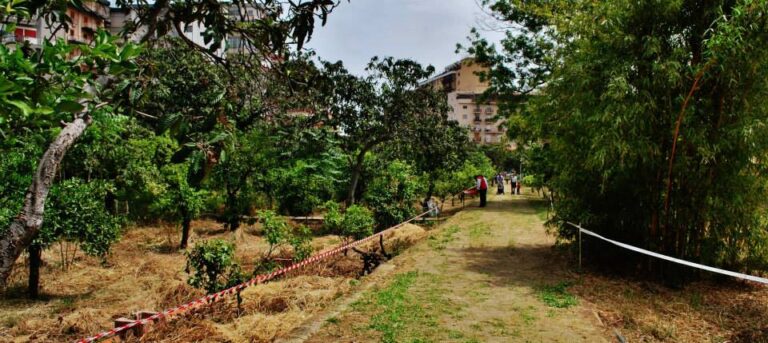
(463, 89)
(121, 17)
(87, 18)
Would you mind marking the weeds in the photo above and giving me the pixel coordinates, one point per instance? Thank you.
(408, 308)
(557, 295)
(439, 242)
(479, 230)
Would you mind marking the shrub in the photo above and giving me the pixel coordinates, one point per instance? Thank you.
(393, 194)
(213, 266)
(275, 229)
(76, 213)
(333, 217)
(278, 234)
(301, 242)
(358, 222)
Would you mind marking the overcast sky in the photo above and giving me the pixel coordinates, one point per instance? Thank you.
(424, 30)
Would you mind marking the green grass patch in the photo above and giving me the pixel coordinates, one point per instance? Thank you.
(557, 295)
(441, 240)
(479, 230)
(407, 310)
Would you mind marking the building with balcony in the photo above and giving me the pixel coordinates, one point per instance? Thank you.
(463, 89)
(86, 19)
(25, 31)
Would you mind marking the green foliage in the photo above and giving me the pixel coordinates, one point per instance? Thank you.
(557, 295)
(385, 106)
(613, 83)
(310, 167)
(275, 229)
(18, 165)
(333, 219)
(501, 158)
(212, 266)
(453, 181)
(41, 88)
(301, 241)
(76, 213)
(393, 193)
(178, 199)
(358, 222)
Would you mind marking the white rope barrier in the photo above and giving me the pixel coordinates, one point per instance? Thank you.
(672, 259)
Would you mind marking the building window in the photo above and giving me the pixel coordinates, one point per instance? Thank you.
(85, 20)
(465, 107)
(489, 110)
(188, 28)
(464, 116)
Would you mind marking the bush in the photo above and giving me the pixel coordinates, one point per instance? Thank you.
(393, 194)
(213, 266)
(333, 217)
(278, 234)
(358, 222)
(301, 242)
(275, 229)
(76, 213)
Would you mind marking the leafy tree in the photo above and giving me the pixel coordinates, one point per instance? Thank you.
(653, 114)
(372, 110)
(179, 201)
(358, 222)
(355, 222)
(243, 171)
(310, 169)
(393, 193)
(279, 234)
(212, 266)
(41, 89)
(75, 213)
(454, 181)
(435, 145)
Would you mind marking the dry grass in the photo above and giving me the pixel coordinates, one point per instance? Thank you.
(145, 272)
(701, 312)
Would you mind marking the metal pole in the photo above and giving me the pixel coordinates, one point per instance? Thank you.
(579, 228)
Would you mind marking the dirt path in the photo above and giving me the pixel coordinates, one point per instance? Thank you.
(487, 275)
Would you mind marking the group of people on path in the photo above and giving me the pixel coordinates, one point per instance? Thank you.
(481, 184)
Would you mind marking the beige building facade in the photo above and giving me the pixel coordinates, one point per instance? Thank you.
(463, 89)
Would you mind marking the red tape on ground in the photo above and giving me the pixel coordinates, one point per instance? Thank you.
(256, 280)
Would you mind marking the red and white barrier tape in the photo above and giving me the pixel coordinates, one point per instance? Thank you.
(673, 259)
(256, 280)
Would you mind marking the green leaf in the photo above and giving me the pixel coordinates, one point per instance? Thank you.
(23, 106)
(69, 106)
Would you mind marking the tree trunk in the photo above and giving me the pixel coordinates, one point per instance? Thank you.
(233, 215)
(35, 260)
(185, 224)
(356, 171)
(26, 225)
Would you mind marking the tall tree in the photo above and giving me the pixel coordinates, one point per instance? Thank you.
(49, 81)
(372, 110)
(654, 110)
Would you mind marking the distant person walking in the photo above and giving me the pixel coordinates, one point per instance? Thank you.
(519, 183)
(513, 183)
(499, 184)
(482, 188)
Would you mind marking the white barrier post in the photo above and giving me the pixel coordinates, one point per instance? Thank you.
(579, 249)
